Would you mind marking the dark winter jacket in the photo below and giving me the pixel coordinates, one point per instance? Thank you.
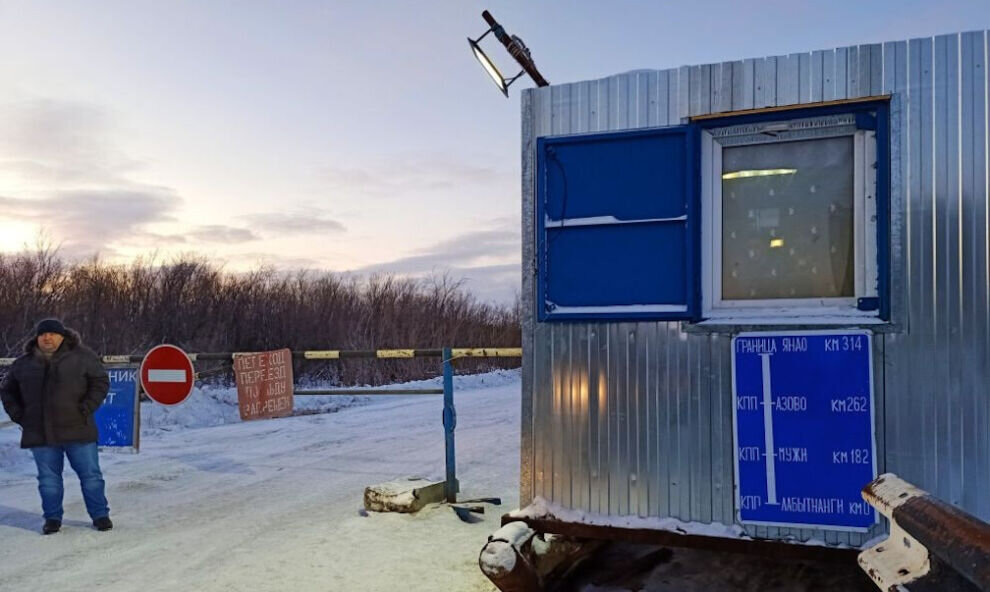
(54, 399)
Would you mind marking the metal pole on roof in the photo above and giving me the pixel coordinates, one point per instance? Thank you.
(517, 49)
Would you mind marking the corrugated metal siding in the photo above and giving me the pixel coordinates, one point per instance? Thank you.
(938, 421)
(636, 418)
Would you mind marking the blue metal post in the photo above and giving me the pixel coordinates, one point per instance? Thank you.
(449, 423)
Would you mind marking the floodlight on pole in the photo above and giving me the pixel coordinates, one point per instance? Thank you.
(517, 49)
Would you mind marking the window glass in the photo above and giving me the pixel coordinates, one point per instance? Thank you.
(787, 220)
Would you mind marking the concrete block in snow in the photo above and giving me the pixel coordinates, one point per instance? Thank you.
(403, 495)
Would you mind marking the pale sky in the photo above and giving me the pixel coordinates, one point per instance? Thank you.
(346, 136)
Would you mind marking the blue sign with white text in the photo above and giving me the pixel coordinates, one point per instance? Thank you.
(116, 416)
(803, 404)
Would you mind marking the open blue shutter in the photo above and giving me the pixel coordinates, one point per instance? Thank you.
(617, 225)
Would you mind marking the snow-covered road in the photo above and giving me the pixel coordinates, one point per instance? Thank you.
(274, 505)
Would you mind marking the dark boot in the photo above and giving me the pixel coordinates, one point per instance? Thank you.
(103, 523)
(51, 526)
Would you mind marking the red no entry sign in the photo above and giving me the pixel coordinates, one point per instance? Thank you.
(167, 375)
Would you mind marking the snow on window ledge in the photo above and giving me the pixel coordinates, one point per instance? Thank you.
(620, 309)
(603, 221)
(844, 320)
(792, 316)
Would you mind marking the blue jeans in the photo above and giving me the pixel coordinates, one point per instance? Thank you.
(85, 461)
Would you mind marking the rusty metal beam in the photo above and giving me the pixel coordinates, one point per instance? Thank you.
(647, 536)
(932, 545)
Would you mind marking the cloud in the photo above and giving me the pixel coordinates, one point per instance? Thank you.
(154, 239)
(279, 262)
(59, 142)
(219, 233)
(410, 173)
(479, 258)
(210, 233)
(294, 223)
(492, 283)
(460, 251)
(88, 220)
(63, 172)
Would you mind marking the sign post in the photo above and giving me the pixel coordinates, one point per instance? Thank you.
(117, 419)
(167, 375)
(804, 428)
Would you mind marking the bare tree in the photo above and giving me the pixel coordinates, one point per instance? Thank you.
(194, 303)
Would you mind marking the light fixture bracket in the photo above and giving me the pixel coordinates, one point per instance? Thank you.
(517, 49)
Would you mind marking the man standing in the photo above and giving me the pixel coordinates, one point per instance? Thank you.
(52, 391)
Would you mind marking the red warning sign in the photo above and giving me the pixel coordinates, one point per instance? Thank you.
(264, 384)
(167, 374)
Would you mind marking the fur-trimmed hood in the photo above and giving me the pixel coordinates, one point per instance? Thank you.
(72, 340)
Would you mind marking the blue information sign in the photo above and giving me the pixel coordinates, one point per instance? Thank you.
(116, 417)
(804, 434)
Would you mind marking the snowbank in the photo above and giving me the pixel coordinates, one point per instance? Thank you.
(214, 406)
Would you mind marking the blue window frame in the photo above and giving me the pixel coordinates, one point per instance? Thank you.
(617, 225)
